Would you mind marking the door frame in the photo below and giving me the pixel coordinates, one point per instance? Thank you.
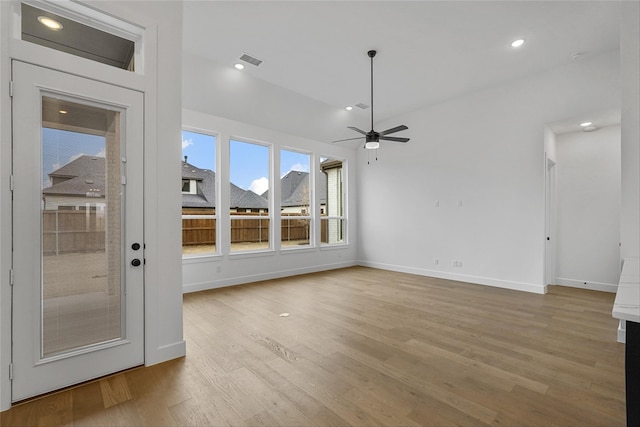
(164, 338)
(157, 349)
(550, 203)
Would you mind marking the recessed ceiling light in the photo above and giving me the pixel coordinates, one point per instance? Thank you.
(50, 23)
(586, 124)
(517, 43)
(348, 108)
(239, 66)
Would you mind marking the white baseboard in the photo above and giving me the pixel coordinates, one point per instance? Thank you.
(506, 284)
(165, 353)
(585, 284)
(240, 280)
(622, 331)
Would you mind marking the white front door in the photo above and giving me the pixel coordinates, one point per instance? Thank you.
(78, 263)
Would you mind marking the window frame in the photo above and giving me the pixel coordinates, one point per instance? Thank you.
(311, 214)
(344, 202)
(193, 190)
(270, 205)
(91, 18)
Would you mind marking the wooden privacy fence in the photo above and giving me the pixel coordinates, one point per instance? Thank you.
(198, 230)
(254, 227)
(65, 231)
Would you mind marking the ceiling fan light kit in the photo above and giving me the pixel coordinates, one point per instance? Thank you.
(372, 145)
(373, 138)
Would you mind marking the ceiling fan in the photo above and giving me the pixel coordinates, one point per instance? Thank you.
(373, 138)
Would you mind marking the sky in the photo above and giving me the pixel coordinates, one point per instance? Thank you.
(249, 163)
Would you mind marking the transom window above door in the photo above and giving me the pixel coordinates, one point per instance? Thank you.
(58, 31)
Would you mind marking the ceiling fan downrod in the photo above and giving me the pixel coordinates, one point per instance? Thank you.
(373, 138)
(371, 54)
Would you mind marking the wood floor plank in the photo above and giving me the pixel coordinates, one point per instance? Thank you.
(366, 347)
(115, 390)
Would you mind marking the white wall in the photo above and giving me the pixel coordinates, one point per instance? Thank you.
(588, 209)
(210, 272)
(630, 70)
(480, 158)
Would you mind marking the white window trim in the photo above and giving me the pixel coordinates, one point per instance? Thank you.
(92, 18)
(194, 190)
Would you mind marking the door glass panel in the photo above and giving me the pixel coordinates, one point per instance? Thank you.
(81, 226)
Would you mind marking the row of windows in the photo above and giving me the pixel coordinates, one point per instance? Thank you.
(304, 191)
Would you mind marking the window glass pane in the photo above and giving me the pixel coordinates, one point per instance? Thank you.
(332, 230)
(198, 193)
(81, 226)
(249, 196)
(295, 231)
(56, 32)
(332, 201)
(295, 192)
(249, 233)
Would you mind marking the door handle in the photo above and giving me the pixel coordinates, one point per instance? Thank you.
(135, 262)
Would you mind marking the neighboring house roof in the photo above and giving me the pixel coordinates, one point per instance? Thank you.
(294, 189)
(206, 184)
(206, 187)
(86, 173)
(78, 177)
(246, 199)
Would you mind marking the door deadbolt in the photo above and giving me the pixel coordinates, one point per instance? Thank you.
(135, 262)
(135, 246)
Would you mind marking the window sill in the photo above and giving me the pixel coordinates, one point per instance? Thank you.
(196, 259)
(333, 246)
(251, 254)
(298, 250)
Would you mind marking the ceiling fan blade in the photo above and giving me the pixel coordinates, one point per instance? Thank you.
(393, 130)
(348, 139)
(357, 130)
(394, 139)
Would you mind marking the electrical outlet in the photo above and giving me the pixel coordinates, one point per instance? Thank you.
(436, 261)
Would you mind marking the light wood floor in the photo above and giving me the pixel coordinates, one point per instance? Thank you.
(367, 347)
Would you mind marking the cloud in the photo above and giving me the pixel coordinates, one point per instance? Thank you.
(259, 185)
(187, 143)
(299, 167)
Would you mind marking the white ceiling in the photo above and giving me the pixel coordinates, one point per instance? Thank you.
(428, 51)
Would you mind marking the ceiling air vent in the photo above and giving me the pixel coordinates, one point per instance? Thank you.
(250, 59)
(363, 106)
